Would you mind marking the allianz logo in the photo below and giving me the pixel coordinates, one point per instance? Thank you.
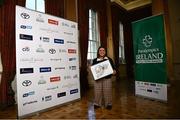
(28, 94)
(26, 27)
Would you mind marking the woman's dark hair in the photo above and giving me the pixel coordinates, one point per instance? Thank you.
(100, 48)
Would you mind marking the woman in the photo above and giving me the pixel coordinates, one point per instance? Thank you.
(103, 86)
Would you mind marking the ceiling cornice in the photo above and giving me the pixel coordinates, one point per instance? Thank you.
(133, 4)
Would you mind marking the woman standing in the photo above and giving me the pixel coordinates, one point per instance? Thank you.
(103, 86)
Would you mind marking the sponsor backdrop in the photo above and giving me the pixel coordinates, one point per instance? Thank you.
(150, 57)
(46, 60)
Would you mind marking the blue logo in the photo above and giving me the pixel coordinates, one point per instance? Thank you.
(73, 91)
(29, 93)
(26, 27)
(45, 69)
(59, 41)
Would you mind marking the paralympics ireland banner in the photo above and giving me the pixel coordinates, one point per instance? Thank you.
(150, 58)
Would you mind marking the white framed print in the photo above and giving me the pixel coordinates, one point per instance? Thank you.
(101, 69)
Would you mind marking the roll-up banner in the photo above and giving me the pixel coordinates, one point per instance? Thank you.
(150, 58)
(47, 61)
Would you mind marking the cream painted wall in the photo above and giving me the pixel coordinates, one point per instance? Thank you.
(173, 6)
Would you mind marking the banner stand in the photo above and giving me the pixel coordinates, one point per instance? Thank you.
(150, 58)
(47, 61)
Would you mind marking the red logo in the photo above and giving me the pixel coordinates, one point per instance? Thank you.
(54, 79)
(50, 21)
(71, 50)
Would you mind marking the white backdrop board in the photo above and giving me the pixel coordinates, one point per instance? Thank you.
(47, 63)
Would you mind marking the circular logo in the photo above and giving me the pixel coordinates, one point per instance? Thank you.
(26, 83)
(52, 51)
(25, 15)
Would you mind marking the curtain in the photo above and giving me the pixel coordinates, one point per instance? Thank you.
(55, 7)
(7, 49)
(83, 40)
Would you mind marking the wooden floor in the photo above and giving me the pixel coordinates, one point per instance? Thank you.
(125, 105)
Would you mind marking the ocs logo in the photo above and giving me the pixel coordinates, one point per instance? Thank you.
(27, 49)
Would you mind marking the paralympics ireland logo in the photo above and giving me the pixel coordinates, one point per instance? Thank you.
(147, 41)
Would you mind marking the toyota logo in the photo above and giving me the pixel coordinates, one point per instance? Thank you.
(26, 83)
(52, 51)
(25, 15)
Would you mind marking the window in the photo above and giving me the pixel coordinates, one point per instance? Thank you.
(121, 44)
(94, 41)
(38, 5)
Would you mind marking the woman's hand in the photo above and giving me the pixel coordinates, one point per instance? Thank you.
(114, 72)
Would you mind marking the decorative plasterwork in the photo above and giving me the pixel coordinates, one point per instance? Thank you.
(132, 4)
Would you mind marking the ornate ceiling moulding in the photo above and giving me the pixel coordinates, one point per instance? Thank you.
(131, 4)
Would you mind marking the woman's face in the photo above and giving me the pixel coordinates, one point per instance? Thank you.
(102, 52)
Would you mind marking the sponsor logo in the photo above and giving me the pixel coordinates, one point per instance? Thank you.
(158, 88)
(48, 30)
(55, 79)
(159, 85)
(52, 88)
(61, 94)
(71, 42)
(72, 59)
(45, 69)
(157, 92)
(67, 77)
(75, 76)
(72, 67)
(55, 59)
(73, 91)
(39, 18)
(26, 83)
(31, 102)
(62, 50)
(71, 50)
(60, 41)
(50, 21)
(142, 89)
(153, 84)
(26, 27)
(69, 85)
(73, 26)
(44, 39)
(148, 90)
(60, 68)
(47, 98)
(146, 83)
(28, 94)
(68, 33)
(41, 81)
(25, 37)
(52, 51)
(65, 24)
(40, 49)
(26, 49)
(31, 60)
(25, 15)
(26, 70)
